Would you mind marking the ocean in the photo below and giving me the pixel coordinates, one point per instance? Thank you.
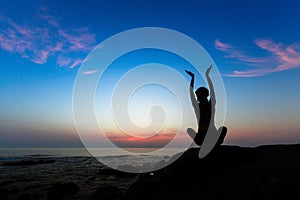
(75, 152)
(141, 159)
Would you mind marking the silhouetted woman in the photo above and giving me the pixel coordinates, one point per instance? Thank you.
(206, 115)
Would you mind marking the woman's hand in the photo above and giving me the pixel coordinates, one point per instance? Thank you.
(208, 70)
(190, 73)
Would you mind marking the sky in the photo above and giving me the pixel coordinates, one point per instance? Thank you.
(255, 45)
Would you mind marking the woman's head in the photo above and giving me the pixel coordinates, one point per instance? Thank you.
(202, 93)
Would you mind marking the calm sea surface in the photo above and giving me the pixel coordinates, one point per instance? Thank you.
(130, 160)
(71, 152)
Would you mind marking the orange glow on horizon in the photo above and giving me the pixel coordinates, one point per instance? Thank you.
(158, 140)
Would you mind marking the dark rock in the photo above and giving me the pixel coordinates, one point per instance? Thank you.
(3, 194)
(106, 193)
(28, 196)
(112, 172)
(59, 191)
(230, 172)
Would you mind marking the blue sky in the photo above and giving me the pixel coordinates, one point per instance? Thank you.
(255, 45)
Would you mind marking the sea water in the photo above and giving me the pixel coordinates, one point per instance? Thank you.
(75, 152)
(130, 157)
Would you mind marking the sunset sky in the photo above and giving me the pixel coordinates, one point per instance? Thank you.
(255, 45)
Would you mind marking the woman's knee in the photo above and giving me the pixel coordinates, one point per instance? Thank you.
(191, 132)
(223, 130)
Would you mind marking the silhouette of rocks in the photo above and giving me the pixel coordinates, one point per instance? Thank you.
(112, 172)
(3, 194)
(106, 193)
(28, 196)
(267, 172)
(58, 191)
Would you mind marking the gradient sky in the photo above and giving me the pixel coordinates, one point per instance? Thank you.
(255, 44)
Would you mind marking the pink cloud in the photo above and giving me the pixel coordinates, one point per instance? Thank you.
(75, 63)
(48, 18)
(222, 46)
(232, 52)
(63, 61)
(252, 72)
(79, 41)
(41, 58)
(89, 72)
(279, 58)
(287, 57)
(45, 39)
